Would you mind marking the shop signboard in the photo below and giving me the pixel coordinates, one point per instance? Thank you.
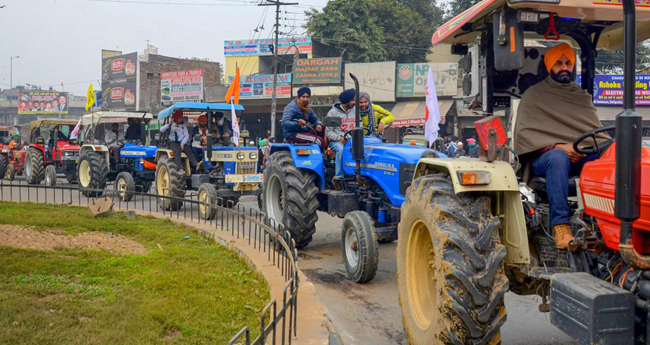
(181, 86)
(412, 79)
(317, 71)
(608, 90)
(119, 95)
(376, 78)
(43, 102)
(261, 86)
(287, 45)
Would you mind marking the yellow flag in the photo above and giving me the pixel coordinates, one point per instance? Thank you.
(90, 97)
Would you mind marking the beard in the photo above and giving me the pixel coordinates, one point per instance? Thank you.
(564, 77)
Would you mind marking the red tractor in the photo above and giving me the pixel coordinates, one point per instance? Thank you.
(470, 230)
(51, 152)
(12, 159)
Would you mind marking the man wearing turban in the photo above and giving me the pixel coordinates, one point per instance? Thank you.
(551, 115)
(336, 135)
(296, 116)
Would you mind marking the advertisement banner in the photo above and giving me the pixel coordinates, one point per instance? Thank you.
(376, 78)
(119, 95)
(261, 86)
(181, 86)
(43, 102)
(608, 90)
(317, 71)
(263, 46)
(412, 79)
(119, 67)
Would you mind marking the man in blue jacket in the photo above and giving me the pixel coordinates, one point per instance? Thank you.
(295, 117)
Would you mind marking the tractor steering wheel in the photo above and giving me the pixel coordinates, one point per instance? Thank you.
(596, 148)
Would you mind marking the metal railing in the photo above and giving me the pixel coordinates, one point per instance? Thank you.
(278, 321)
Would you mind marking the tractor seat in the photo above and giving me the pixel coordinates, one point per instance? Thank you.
(538, 183)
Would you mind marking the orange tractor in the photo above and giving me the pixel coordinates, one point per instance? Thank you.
(12, 153)
(472, 230)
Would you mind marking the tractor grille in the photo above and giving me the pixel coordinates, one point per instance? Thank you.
(245, 168)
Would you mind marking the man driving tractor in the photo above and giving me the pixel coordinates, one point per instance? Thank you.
(16, 143)
(222, 129)
(544, 134)
(112, 140)
(295, 117)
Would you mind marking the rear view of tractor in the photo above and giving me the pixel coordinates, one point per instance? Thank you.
(51, 152)
(472, 230)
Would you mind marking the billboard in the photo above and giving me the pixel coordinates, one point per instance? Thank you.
(412, 79)
(261, 86)
(262, 46)
(43, 102)
(608, 90)
(376, 78)
(119, 75)
(317, 71)
(181, 86)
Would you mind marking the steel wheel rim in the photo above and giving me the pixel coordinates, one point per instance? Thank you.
(351, 247)
(274, 199)
(204, 201)
(48, 179)
(28, 165)
(8, 173)
(84, 173)
(420, 275)
(120, 185)
(162, 181)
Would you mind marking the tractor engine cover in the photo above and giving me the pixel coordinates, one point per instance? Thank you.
(592, 310)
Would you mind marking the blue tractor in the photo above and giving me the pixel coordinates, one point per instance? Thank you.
(98, 165)
(298, 183)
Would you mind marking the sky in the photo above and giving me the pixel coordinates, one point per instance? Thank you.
(60, 41)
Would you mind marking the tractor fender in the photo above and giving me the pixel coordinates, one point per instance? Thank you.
(102, 149)
(169, 153)
(313, 162)
(505, 194)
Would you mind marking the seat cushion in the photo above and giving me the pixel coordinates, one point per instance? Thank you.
(538, 184)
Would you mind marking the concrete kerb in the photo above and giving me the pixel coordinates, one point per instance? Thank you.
(312, 323)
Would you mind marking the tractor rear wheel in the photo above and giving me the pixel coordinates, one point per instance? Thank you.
(34, 166)
(208, 199)
(92, 171)
(359, 247)
(11, 173)
(450, 272)
(125, 186)
(50, 176)
(289, 197)
(169, 183)
(3, 165)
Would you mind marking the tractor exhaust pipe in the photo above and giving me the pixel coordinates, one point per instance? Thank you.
(357, 133)
(628, 148)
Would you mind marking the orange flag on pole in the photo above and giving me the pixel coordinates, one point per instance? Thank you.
(233, 90)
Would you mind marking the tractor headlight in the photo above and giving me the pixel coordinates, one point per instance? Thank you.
(252, 155)
(241, 156)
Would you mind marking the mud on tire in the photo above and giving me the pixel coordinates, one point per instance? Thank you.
(92, 171)
(35, 166)
(289, 197)
(450, 266)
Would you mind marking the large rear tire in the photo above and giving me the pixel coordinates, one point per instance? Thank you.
(171, 183)
(359, 247)
(450, 266)
(290, 197)
(50, 176)
(92, 170)
(3, 165)
(34, 166)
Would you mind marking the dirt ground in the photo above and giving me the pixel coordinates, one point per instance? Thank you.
(28, 238)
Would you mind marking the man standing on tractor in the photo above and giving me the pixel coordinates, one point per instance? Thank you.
(177, 140)
(112, 140)
(544, 134)
(336, 135)
(373, 116)
(295, 117)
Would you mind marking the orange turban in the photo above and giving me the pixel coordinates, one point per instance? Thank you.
(554, 53)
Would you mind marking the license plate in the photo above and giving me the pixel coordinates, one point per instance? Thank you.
(233, 178)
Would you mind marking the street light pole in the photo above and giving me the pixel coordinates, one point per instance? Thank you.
(11, 70)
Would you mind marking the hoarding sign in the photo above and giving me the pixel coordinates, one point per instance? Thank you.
(181, 86)
(412, 79)
(261, 86)
(119, 67)
(608, 90)
(43, 102)
(317, 71)
(377, 78)
(263, 46)
(119, 95)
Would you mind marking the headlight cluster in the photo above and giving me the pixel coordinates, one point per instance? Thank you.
(241, 156)
(252, 155)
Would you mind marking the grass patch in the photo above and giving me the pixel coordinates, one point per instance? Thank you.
(193, 292)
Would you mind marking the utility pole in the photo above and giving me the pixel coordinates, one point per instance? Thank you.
(11, 70)
(274, 97)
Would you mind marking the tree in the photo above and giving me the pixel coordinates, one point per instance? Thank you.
(457, 7)
(377, 30)
(612, 62)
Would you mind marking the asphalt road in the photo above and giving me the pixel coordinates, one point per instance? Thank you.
(360, 314)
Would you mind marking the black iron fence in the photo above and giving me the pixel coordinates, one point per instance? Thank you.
(278, 321)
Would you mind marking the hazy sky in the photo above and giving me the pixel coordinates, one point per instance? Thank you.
(61, 40)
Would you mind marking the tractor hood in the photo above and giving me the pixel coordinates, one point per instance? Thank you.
(65, 146)
(132, 150)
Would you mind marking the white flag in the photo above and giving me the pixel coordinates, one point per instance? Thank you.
(75, 131)
(432, 116)
(235, 125)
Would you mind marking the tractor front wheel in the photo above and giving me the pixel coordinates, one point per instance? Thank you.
(34, 166)
(359, 246)
(450, 273)
(170, 184)
(11, 173)
(50, 176)
(125, 186)
(289, 197)
(208, 200)
(92, 171)
(3, 165)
